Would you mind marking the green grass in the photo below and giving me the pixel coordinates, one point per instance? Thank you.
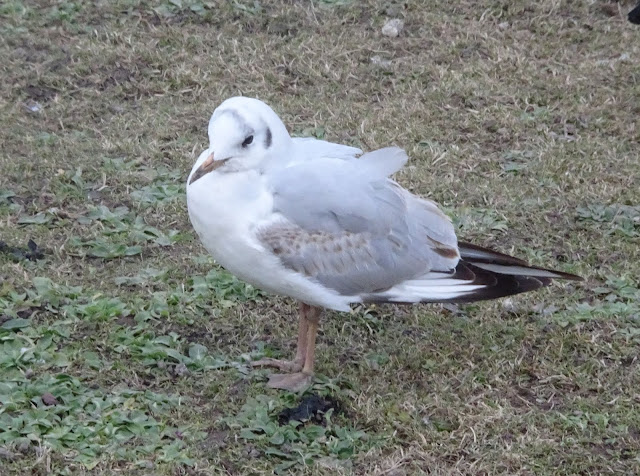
(124, 350)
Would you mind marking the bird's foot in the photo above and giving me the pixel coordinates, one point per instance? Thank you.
(283, 365)
(295, 382)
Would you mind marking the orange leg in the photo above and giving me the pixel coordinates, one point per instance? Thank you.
(298, 381)
(297, 363)
(313, 319)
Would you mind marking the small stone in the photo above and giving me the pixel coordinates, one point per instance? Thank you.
(252, 452)
(503, 26)
(181, 370)
(48, 399)
(33, 107)
(393, 28)
(379, 61)
(452, 308)
(509, 306)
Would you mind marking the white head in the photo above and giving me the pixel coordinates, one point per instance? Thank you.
(244, 134)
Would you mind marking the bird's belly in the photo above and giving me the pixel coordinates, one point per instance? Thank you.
(225, 215)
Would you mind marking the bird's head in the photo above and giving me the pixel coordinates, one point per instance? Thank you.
(244, 134)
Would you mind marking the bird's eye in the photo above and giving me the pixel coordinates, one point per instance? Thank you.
(247, 141)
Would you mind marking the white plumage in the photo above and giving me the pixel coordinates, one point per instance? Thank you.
(309, 219)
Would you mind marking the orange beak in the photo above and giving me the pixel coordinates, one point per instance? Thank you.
(207, 166)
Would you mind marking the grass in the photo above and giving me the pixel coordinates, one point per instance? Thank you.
(124, 349)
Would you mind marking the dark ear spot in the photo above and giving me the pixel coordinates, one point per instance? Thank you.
(268, 139)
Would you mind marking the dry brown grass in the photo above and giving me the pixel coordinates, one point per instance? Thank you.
(516, 115)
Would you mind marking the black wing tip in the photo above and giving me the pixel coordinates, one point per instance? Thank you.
(490, 256)
(500, 285)
(634, 15)
(492, 284)
(565, 276)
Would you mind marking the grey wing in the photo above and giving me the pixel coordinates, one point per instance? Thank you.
(348, 226)
(308, 148)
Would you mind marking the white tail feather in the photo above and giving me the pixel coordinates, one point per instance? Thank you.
(513, 270)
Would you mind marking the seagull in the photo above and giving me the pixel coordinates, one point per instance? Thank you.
(324, 224)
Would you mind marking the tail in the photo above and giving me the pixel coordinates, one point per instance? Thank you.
(634, 15)
(481, 274)
(503, 275)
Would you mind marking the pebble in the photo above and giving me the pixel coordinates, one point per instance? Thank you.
(33, 106)
(509, 306)
(379, 61)
(181, 370)
(392, 28)
(48, 399)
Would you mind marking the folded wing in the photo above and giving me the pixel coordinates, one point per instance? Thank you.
(346, 225)
(349, 227)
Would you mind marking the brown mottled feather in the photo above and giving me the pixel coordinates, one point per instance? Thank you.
(338, 258)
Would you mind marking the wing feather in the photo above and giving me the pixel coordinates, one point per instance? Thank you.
(348, 226)
(344, 224)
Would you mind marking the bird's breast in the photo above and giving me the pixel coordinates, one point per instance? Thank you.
(225, 212)
(224, 207)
